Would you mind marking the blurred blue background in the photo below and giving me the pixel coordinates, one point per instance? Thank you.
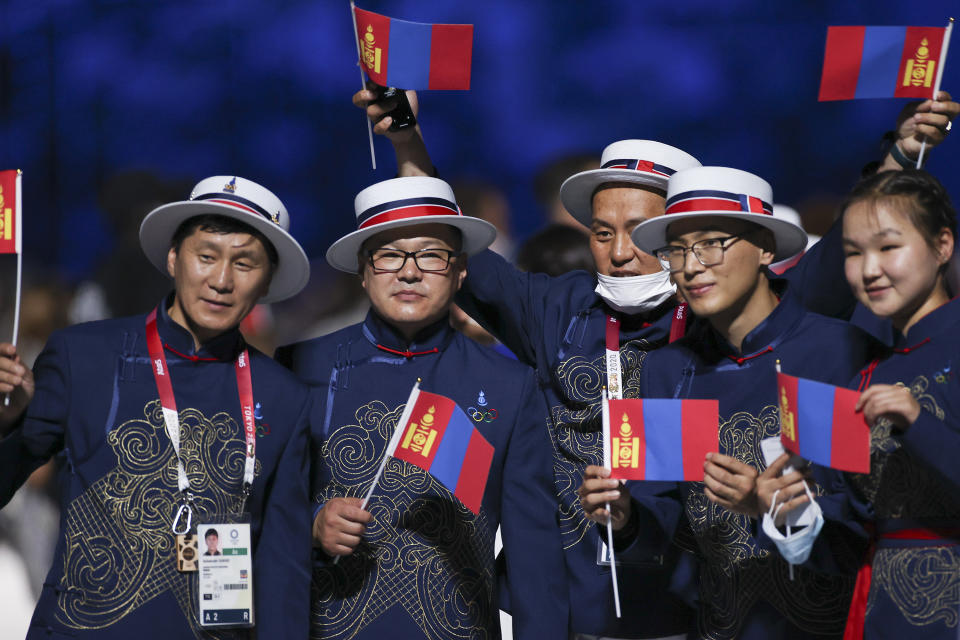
(262, 89)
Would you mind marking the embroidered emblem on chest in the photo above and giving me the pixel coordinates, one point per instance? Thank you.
(481, 411)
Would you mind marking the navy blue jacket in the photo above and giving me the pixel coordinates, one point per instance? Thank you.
(425, 567)
(557, 325)
(914, 483)
(96, 403)
(744, 590)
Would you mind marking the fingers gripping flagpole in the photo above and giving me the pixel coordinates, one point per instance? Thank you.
(363, 84)
(18, 231)
(392, 445)
(936, 85)
(607, 463)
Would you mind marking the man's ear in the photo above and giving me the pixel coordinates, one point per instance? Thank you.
(172, 262)
(462, 274)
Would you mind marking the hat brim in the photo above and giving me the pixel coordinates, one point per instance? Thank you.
(477, 235)
(790, 239)
(293, 268)
(576, 192)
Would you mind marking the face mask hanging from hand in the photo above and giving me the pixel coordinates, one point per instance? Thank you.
(636, 294)
(795, 547)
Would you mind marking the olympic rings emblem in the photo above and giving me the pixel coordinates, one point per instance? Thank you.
(482, 416)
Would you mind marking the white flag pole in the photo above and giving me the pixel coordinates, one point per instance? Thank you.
(936, 84)
(363, 84)
(18, 237)
(607, 461)
(392, 445)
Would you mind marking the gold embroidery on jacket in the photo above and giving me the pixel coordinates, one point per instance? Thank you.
(424, 551)
(119, 548)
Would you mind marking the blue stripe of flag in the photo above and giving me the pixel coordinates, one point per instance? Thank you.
(408, 66)
(662, 426)
(452, 449)
(880, 64)
(815, 420)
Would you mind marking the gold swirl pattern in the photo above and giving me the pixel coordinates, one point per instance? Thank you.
(119, 548)
(735, 573)
(423, 551)
(576, 427)
(922, 582)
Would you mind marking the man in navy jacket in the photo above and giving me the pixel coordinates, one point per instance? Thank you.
(140, 458)
(414, 562)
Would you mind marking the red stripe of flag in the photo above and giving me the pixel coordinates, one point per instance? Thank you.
(451, 50)
(911, 46)
(8, 211)
(701, 435)
(371, 40)
(787, 400)
(443, 409)
(841, 63)
(850, 444)
(622, 466)
(473, 474)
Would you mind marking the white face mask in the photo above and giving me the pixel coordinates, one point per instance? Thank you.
(636, 294)
(796, 547)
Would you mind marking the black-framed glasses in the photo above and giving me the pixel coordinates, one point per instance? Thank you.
(427, 260)
(708, 252)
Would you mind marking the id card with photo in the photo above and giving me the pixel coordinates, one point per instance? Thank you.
(226, 574)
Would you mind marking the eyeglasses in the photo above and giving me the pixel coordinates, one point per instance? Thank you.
(708, 252)
(427, 260)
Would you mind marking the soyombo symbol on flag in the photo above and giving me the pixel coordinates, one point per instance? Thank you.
(659, 439)
(10, 212)
(818, 422)
(414, 55)
(882, 62)
(439, 438)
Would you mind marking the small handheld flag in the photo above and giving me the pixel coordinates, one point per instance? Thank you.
(11, 214)
(818, 422)
(414, 55)
(660, 439)
(10, 211)
(883, 62)
(437, 436)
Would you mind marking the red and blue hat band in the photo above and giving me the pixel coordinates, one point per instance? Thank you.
(709, 200)
(406, 209)
(236, 202)
(645, 166)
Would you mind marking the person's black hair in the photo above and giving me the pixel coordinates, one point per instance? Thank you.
(211, 532)
(555, 250)
(929, 210)
(214, 223)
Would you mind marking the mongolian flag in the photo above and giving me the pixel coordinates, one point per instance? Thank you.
(654, 439)
(882, 62)
(10, 212)
(818, 422)
(414, 55)
(437, 436)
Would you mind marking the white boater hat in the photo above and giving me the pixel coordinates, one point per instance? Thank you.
(243, 200)
(403, 202)
(720, 191)
(642, 162)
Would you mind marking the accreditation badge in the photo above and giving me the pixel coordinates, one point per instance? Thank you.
(225, 586)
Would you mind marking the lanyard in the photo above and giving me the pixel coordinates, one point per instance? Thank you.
(678, 327)
(161, 374)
